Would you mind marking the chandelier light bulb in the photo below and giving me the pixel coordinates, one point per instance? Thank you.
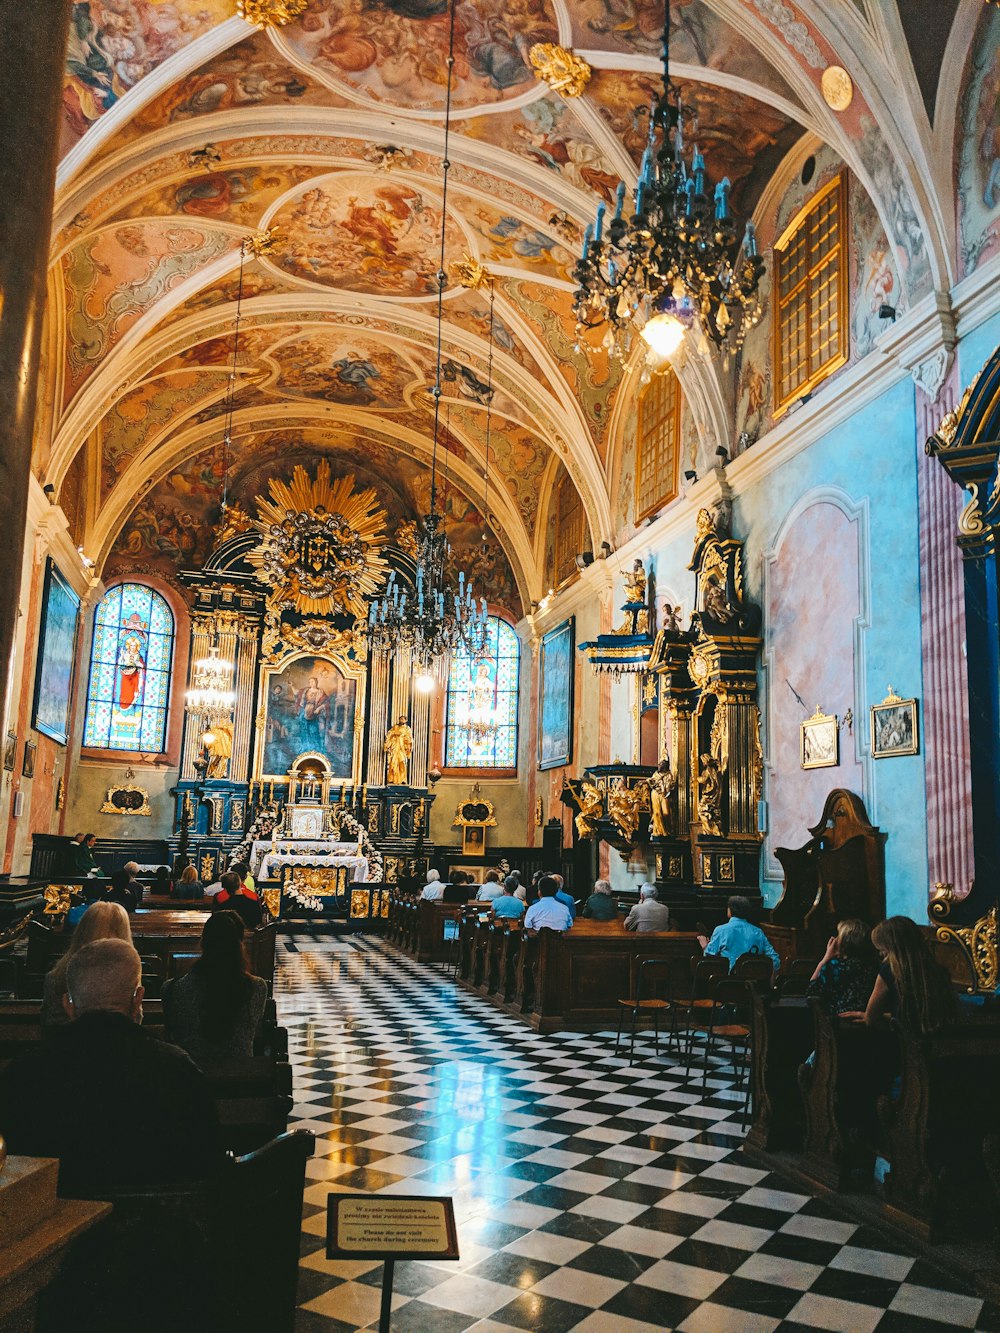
(424, 682)
(663, 333)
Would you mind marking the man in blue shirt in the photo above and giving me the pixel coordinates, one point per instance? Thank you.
(738, 936)
(547, 910)
(563, 897)
(506, 905)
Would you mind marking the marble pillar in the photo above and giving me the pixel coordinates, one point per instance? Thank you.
(33, 54)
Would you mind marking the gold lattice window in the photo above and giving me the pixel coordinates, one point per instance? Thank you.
(658, 444)
(810, 282)
(570, 528)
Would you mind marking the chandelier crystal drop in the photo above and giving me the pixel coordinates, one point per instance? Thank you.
(671, 261)
(211, 697)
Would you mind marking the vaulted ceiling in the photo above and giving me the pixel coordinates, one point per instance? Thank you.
(185, 129)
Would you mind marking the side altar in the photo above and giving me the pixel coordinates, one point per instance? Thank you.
(316, 775)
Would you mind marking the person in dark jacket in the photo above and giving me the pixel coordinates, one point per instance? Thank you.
(234, 897)
(601, 906)
(121, 891)
(119, 1108)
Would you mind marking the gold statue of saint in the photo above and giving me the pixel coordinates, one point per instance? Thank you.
(662, 786)
(623, 810)
(710, 796)
(591, 810)
(635, 585)
(220, 750)
(398, 748)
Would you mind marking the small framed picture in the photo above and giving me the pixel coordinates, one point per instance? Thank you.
(10, 752)
(895, 728)
(28, 767)
(819, 741)
(474, 840)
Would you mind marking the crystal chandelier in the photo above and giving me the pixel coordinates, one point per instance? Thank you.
(671, 261)
(436, 618)
(211, 698)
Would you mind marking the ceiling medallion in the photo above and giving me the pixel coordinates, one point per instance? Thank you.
(564, 72)
(320, 544)
(270, 13)
(838, 87)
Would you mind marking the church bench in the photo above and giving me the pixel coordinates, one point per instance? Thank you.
(852, 1064)
(948, 1105)
(253, 1098)
(781, 1039)
(131, 1263)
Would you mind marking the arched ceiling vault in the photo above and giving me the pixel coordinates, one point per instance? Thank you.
(186, 129)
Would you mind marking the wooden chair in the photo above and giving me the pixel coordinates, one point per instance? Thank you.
(644, 1003)
(794, 978)
(703, 972)
(728, 1018)
(755, 968)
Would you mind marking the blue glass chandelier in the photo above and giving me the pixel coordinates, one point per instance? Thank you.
(672, 261)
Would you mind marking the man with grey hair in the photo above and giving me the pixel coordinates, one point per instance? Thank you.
(118, 1107)
(648, 915)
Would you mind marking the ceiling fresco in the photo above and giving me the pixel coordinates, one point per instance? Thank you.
(329, 130)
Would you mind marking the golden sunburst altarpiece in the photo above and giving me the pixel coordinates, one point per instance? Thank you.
(320, 544)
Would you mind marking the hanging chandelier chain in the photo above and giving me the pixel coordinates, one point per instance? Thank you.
(442, 272)
(489, 415)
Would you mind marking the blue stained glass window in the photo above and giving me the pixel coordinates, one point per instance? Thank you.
(481, 723)
(130, 664)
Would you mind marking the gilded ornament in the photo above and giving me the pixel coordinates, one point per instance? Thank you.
(126, 799)
(232, 521)
(623, 811)
(590, 808)
(320, 544)
(270, 13)
(261, 242)
(207, 868)
(980, 942)
(470, 273)
(970, 521)
(398, 748)
(564, 72)
(838, 87)
(406, 537)
(385, 156)
(476, 811)
(272, 901)
(58, 899)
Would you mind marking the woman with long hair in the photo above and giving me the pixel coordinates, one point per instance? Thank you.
(214, 1011)
(910, 985)
(189, 885)
(101, 921)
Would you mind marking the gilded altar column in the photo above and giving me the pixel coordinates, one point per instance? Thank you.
(378, 706)
(676, 745)
(33, 54)
(744, 765)
(243, 684)
(202, 630)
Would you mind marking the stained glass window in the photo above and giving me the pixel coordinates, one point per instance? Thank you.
(130, 664)
(481, 727)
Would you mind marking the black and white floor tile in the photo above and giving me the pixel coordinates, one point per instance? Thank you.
(589, 1194)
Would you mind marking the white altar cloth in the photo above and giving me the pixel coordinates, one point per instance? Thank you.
(270, 867)
(306, 849)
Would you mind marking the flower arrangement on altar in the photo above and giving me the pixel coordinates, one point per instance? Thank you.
(304, 901)
(366, 847)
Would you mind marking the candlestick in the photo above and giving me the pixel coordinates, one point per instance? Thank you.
(619, 200)
(599, 229)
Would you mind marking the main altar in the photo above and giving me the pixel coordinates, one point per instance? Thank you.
(317, 777)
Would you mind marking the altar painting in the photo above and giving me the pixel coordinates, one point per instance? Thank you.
(309, 705)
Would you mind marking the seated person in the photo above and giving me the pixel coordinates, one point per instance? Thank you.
(506, 905)
(490, 888)
(163, 883)
(518, 889)
(601, 906)
(433, 890)
(547, 910)
(82, 898)
(247, 880)
(234, 897)
(100, 921)
(131, 868)
(213, 1012)
(82, 851)
(738, 935)
(118, 1107)
(649, 914)
(460, 889)
(845, 975)
(122, 890)
(910, 985)
(188, 888)
(564, 896)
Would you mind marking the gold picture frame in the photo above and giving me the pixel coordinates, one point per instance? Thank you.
(895, 727)
(819, 741)
(349, 670)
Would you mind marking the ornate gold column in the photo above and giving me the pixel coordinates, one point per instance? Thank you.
(378, 707)
(245, 662)
(202, 632)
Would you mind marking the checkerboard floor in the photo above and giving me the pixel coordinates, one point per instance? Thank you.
(589, 1194)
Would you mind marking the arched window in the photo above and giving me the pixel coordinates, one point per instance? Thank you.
(130, 671)
(658, 445)
(481, 726)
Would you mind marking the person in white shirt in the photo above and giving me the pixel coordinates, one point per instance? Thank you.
(648, 915)
(433, 890)
(547, 911)
(490, 887)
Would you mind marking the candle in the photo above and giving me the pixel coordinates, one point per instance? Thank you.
(587, 236)
(722, 199)
(750, 240)
(619, 200)
(698, 167)
(599, 230)
(639, 198)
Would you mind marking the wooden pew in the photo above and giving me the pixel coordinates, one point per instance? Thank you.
(162, 1261)
(949, 1103)
(839, 1093)
(781, 1039)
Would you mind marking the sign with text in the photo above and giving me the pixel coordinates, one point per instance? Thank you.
(390, 1226)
